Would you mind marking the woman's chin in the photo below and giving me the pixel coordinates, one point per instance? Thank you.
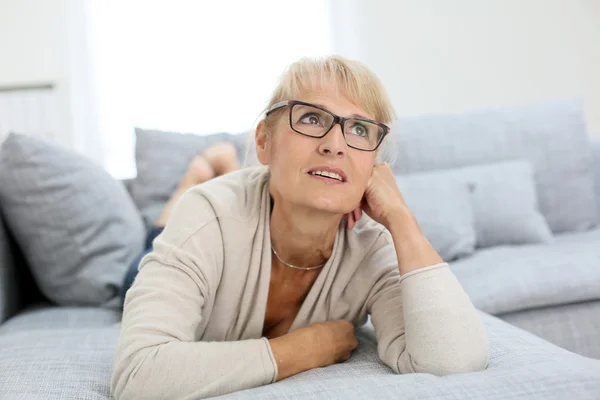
(331, 206)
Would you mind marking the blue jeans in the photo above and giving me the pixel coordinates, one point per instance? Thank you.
(133, 267)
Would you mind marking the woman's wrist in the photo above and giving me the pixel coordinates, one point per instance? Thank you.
(294, 353)
(402, 224)
(413, 249)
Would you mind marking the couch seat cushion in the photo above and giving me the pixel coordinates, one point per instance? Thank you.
(512, 278)
(76, 363)
(574, 326)
(45, 317)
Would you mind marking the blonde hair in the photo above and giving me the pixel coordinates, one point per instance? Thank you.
(350, 78)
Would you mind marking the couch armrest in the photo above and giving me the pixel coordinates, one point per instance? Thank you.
(596, 170)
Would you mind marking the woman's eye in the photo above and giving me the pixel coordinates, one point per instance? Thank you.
(359, 130)
(311, 119)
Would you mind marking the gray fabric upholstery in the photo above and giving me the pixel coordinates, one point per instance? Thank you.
(550, 135)
(9, 293)
(76, 363)
(575, 327)
(162, 158)
(503, 201)
(521, 366)
(444, 212)
(596, 169)
(506, 207)
(506, 279)
(76, 225)
(57, 364)
(42, 317)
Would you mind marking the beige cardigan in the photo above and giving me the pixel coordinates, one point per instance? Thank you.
(193, 319)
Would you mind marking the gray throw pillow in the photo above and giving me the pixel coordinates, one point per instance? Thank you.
(76, 226)
(444, 212)
(504, 202)
(161, 160)
(506, 206)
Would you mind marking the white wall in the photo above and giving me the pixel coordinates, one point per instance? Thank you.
(33, 49)
(44, 41)
(434, 56)
(438, 56)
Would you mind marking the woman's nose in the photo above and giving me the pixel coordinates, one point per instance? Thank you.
(334, 143)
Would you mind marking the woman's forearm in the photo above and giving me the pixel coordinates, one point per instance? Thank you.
(413, 249)
(180, 369)
(442, 331)
(292, 354)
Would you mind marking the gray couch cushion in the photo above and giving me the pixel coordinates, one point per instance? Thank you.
(76, 225)
(9, 293)
(505, 204)
(574, 327)
(521, 366)
(45, 317)
(444, 212)
(76, 363)
(161, 160)
(57, 364)
(507, 279)
(551, 135)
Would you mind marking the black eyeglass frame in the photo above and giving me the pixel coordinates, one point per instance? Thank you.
(336, 120)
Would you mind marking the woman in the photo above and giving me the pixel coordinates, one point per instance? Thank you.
(263, 273)
(218, 159)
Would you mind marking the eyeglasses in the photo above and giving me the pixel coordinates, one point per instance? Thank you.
(314, 121)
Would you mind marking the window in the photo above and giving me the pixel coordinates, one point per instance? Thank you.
(193, 66)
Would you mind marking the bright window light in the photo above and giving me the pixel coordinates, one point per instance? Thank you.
(193, 66)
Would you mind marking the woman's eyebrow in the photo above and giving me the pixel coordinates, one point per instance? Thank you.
(351, 116)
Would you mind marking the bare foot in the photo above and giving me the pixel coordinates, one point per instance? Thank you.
(222, 157)
(199, 170)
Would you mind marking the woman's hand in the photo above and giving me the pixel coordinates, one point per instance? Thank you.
(384, 203)
(333, 341)
(314, 346)
(382, 199)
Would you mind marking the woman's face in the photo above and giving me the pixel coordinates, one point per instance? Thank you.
(295, 160)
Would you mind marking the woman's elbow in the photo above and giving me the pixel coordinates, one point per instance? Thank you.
(447, 364)
(124, 387)
(459, 365)
(128, 380)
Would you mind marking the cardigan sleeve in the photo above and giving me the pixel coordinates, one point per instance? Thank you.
(424, 320)
(159, 355)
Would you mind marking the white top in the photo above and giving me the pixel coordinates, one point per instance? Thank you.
(193, 319)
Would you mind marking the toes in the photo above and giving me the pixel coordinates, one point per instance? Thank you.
(199, 170)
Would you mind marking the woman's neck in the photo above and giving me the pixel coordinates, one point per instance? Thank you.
(301, 236)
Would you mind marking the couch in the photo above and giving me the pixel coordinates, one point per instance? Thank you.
(549, 286)
(535, 277)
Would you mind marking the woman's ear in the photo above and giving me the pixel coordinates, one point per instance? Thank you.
(262, 143)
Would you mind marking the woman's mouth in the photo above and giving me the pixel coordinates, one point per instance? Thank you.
(328, 174)
(327, 177)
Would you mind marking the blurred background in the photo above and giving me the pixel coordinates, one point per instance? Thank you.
(84, 73)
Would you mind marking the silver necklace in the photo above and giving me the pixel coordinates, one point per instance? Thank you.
(293, 266)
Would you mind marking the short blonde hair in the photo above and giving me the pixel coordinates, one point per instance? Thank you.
(351, 78)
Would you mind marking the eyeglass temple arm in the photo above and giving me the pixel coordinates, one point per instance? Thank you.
(277, 105)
